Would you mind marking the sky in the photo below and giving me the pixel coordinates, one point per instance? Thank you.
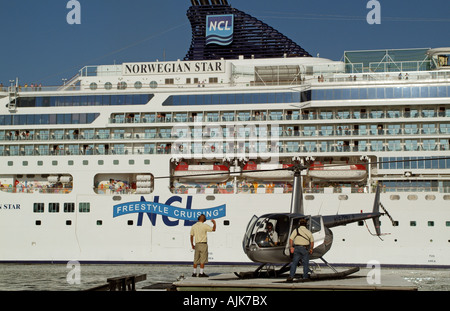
(39, 46)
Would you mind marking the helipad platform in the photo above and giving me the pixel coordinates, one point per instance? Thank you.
(364, 280)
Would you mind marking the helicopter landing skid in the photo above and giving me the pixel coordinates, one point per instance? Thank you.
(325, 276)
(265, 270)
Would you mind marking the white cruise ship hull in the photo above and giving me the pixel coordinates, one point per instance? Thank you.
(124, 239)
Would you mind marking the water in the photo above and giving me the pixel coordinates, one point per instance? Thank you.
(53, 277)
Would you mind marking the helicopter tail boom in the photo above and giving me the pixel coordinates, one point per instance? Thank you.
(340, 220)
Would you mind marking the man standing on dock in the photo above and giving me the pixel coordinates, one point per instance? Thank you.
(301, 244)
(200, 231)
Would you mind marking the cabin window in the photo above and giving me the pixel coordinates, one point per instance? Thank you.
(38, 207)
(84, 207)
(69, 207)
(53, 207)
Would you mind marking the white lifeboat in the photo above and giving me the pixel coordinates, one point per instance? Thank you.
(267, 171)
(337, 172)
(201, 172)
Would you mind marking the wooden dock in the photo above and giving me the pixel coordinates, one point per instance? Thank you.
(354, 282)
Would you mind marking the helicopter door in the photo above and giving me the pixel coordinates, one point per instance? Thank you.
(248, 233)
(317, 229)
(315, 225)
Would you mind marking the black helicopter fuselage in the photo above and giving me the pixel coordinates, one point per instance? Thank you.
(258, 246)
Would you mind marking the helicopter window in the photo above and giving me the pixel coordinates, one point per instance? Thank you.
(266, 235)
(315, 225)
(271, 231)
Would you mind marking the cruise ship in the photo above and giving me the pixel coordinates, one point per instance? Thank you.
(115, 165)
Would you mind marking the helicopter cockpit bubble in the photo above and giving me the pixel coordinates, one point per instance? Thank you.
(261, 247)
(267, 236)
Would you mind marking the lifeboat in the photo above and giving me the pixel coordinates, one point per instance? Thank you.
(194, 172)
(267, 171)
(337, 172)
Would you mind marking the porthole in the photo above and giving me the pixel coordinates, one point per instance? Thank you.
(138, 85)
(412, 197)
(395, 197)
(343, 197)
(93, 86)
(309, 197)
(430, 197)
(122, 86)
(153, 85)
(108, 85)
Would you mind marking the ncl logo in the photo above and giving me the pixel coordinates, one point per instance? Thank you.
(219, 29)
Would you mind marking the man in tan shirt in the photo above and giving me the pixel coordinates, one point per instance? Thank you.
(301, 244)
(199, 231)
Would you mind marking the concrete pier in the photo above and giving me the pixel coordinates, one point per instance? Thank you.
(363, 280)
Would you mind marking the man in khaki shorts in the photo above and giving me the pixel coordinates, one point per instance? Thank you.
(200, 231)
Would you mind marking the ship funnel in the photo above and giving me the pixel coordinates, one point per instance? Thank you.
(224, 2)
(216, 2)
(195, 2)
(204, 2)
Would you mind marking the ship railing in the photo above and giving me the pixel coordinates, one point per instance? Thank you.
(112, 190)
(316, 78)
(333, 188)
(146, 118)
(218, 148)
(399, 76)
(42, 89)
(31, 189)
(220, 134)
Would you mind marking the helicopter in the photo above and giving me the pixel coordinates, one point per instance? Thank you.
(259, 247)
